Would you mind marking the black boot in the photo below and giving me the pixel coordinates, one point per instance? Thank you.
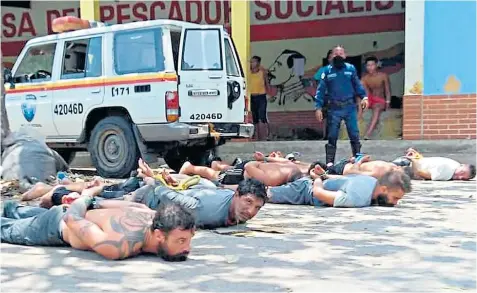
(355, 148)
(330, 153)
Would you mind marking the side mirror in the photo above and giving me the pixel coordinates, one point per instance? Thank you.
(7, 77)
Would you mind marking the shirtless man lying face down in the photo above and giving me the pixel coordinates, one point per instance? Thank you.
(270, 171)
(124, 230)
(364, 166)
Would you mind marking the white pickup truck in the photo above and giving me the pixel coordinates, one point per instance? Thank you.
(145, 89)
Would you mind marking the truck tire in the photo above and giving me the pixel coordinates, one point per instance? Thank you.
(67, 155)
(113, 148)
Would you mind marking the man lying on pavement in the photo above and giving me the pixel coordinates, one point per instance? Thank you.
(213, 207)
(364, 166)
(267, 170)
(55, 195)
(119, 231)
(435, 168)
(343, 191)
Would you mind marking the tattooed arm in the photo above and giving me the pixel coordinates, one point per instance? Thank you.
(88, 232)
(127, 238)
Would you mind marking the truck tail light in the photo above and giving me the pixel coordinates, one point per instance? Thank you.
(247, 118)
(172, 106)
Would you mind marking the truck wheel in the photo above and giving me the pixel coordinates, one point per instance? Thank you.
(67, 155)
(113, 148)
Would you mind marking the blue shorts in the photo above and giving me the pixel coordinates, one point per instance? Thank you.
(42, 229)
(298, 192)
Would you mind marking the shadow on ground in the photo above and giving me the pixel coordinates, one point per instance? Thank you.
(426, 243)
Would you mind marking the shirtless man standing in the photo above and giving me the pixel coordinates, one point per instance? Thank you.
(365, 166)
(377, 87)
(124, 230)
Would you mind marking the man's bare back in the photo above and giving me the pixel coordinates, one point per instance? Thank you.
(372, 168)
(125, 227)
(272, 174)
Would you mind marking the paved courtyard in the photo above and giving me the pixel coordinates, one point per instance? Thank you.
(425, 244)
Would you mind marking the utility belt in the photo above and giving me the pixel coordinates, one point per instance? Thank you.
(338, 104)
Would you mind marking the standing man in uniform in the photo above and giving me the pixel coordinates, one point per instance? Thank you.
(341, 82)
(258, 91)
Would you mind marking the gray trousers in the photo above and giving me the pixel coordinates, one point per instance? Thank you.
(31, 226)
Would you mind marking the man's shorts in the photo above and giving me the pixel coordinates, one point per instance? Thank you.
(234, 175)
(299, 192)
(402, 162)
(258, 105)
(338, 168)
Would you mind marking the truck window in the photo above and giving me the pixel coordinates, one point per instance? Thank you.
(230, 62)
(175, 41)
(37, 64)
(82, 58)
(202, 50)
(138, 51)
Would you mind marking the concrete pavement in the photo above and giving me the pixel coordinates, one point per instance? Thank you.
(461, 150)
(427, 243)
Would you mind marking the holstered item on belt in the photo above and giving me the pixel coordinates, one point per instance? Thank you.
(330, 153)
(355, 148)
(336, 104)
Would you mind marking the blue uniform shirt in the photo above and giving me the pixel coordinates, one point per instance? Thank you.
(317, 75)
(340, 85)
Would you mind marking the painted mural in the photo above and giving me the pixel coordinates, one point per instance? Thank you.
(289, 88)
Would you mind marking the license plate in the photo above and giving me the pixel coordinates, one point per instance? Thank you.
(203, 93)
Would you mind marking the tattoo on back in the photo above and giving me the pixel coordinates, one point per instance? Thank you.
(132, 226)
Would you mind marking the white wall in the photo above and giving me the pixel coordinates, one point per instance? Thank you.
(414, 47)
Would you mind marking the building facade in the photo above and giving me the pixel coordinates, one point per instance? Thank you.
(440, 85)
(292, 37)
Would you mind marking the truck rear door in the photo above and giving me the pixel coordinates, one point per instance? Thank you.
(202, 75)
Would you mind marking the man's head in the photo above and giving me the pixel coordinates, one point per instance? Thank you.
(255, 62)
(407, 170)
(249, 198)
(391, 188)
(172, 229)
(464, 172)
(404, 169)
(371, 64)
(338, 56)
(313, 168)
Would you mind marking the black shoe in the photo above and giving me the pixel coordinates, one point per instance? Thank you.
(330, 153)
(237, 161)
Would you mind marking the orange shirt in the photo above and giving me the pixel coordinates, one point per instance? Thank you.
(257, 83)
